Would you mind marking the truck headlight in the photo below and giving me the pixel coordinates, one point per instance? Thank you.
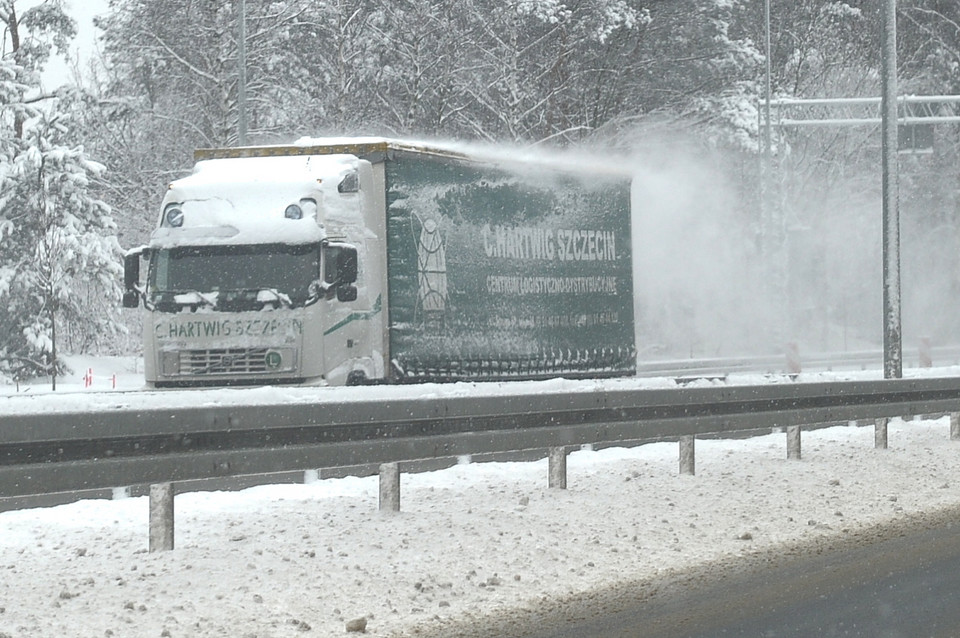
(173, 215)
(170, 362)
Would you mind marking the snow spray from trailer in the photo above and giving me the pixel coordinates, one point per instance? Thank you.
(705, 287)
(699, 287)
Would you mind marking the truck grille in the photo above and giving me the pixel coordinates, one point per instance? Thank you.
(224, 361)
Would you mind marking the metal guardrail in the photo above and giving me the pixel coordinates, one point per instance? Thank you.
(43, 454)
(780, 364)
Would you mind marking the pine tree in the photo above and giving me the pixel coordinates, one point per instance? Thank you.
(58, 246)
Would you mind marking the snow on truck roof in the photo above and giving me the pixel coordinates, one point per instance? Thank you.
(376, 149)
(276, 169)
(364, 147)
(233, 200)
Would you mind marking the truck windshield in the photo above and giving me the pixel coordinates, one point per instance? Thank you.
(287, 269)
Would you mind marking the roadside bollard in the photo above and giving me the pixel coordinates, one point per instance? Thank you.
(390, 487)
(161, 517)
(793, 442)
(793, 359)
(926, 353)
(688, 462)
(557, 468)
(880, 433)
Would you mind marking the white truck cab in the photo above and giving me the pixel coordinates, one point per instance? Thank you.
(254, 273)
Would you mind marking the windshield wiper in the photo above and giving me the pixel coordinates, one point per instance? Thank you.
(173, 300)
(267, 295)
(253, 299)
(196, 298)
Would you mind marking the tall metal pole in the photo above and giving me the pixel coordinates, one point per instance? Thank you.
(242, 76)
(766, 216)
(770, 240)
(892, 335)
(767, 83)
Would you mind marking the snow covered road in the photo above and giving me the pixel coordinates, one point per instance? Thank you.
(474, 543)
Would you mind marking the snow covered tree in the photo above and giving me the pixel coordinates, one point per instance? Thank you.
(60, 252)
(929, 45)
(423, 56)
(528, 69)
(179, 60)
(57, 242)
(336, 54)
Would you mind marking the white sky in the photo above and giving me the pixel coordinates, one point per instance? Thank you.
(470, 541)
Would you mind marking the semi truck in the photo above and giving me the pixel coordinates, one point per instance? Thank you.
(370, 260)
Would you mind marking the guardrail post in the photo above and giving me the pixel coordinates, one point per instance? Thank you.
(880, 433)
(161, 517)
(688, 461)
(793, 442)
(954, 426)
(390, 487)
(557, 468)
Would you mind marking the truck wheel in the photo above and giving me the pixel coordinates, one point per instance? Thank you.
(357, 377)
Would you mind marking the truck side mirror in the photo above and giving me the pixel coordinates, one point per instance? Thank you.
(347, 264)
(131, 278)
(340, 271)
(131, 270)
(340, 264)
(347, 292)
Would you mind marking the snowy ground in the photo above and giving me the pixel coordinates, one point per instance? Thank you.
(88, 375)
(472, 542)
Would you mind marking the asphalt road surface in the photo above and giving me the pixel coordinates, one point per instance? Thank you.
(905, 586)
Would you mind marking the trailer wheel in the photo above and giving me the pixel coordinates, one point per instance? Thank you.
(357, 377)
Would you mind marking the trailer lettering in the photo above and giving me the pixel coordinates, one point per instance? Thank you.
(582, 320)
(544, 244)
(514, 285)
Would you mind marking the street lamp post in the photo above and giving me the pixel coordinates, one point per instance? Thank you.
(892, 334)
(242, 76)
(772, 239)
(767, 82)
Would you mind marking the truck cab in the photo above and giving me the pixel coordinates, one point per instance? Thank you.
(254, 274)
